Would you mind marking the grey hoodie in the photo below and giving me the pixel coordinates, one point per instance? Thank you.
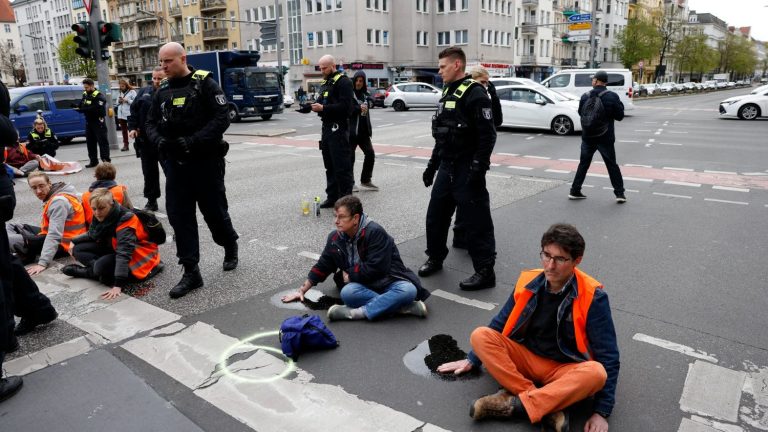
(58, 212)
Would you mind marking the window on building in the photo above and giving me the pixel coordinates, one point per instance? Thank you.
(605, 54)
(339, 37)
(311, 39)
(385, 37)
(464, 5)
(377, 39)
(7, 28)
(451, 5)
(338, 4)
(309, 6)
(443, 38)
(461, 37)
(232, 18)
(440, 6)
(369, 37)
(608, 7)
(607, 30)
(319, 38)
(329, 37)
(368, 4)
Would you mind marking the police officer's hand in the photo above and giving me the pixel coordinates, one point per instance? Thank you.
(429, 176)
(183, 147)
(476, 180)
(162, 147)
(305, 108)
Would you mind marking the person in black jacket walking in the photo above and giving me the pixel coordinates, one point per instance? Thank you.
(376, 283)
(360, 130)
(602, 142)
(93, 106)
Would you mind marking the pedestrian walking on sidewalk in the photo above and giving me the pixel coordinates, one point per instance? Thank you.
(126, 98)
(598, 109)
(360, 131)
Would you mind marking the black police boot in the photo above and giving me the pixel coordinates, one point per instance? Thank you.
(9, 386)
(92, 164)
(484, 278)
(78, 271)
(189, 281)
(27, 324)
(430, 267)
(230, 257)
(327, 204)
(151, 205)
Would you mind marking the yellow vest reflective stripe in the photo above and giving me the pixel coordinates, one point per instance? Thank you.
(200, 74)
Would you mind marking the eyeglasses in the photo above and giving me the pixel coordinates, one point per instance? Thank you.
(559, 260)
(342, 217)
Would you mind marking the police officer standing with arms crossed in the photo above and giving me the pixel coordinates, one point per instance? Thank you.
(464, 139)
(94, 106)
(334, 106)
(187, 121)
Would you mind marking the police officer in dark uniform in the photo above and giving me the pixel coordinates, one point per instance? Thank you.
(334, 106)
(94, 106)
(465, 135)
(146, 150)
(187, 121)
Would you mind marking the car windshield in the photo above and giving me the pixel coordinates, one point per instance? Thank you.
(262, 80)
(552, 94)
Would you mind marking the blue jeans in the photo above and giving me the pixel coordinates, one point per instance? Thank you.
(396, 296)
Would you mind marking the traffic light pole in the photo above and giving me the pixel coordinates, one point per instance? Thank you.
(593, 36)
(102, 74)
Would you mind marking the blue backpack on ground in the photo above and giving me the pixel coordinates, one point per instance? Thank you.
(300, 334)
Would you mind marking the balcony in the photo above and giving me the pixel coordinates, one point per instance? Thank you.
(130, 43)
(528, 28)
(149, 42)
(531, 3)
(117, 46)
(143, 17)
(528, 60)
(174, 11)
(569, 62)
(213, 5)
(122, 70)
(214, 34)
(177, 38)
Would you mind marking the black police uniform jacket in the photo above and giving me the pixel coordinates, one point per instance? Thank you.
(140, 109)
(463, 126)
(93, 105)
(191, 108)
(337, 98)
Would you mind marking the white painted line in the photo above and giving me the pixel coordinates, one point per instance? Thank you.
(519, 167)
(310, 255)
(569, 160)
(537, 157)
(495, 165)
(754, 174)
(161, 215)
(719, 172)
(597, 175)
(418, 136)
(672, 195)
(311, 136)
(712, 390)
(411, 121)
(537, 180)
(650, 140)
(646, 180)
(394, 164)
(385, 125)
(557, 171)
(508, 154)
(678, 132)
(681, 124)
(530, 137)
(284, 146)
(729, 188)
(726, 201)
(588, 185)
(679, 183)
(628, 141)
(638, 165)
(658, 132)
(678, 169)
(398, 145)
(642, 130)
(672, 346)
(670, 144)
(499, 176)
(598, 162)
(650, 122)
(397, 155)
(281, 248)
(420, 157)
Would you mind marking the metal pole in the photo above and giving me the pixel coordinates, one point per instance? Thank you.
(593, 36)
(102, 74)
(278, 36)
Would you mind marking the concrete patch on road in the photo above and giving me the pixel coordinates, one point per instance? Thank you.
(123, 319)
(688, 425)
(49, 356)
(712, 390)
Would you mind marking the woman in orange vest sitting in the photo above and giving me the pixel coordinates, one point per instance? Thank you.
(63, 220)
(116, 249)
(105, 178)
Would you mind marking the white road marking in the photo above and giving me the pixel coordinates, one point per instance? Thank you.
(678, 132)
(672, 195)
(423, 136)
(519, 167)
(726, 201)
(412, 120)
(463, 300)
(678, 169)
(628, 141)
(712, 390)
(679, 183)
(646, 180)
(597, 175)
(537, 157)
(499, 176)
(397, 155)
(729, 188)
(161, 215)
(307, 137)
(420, 157)
(670, 144)
(385, 125)
(557, 171)
(672, 346)
(639, 165)
(754, 174)
(642, 130)
(508, 154)
(658, 132)
(530, 137)
(495, 165)
(398, 145)
(310, 255)
(569, 160)
(719, 172)
(625, 190)
(650, 122)
(394, 164)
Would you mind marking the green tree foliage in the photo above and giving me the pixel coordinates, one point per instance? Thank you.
(72, 63)
(640, 40)
(692, 54)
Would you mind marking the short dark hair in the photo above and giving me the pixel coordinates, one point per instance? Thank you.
(88, 81)
(351, 202)
(567, 237)
(105, 171)
(454, 53)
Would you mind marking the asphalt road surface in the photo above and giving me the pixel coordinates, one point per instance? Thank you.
(682, 262)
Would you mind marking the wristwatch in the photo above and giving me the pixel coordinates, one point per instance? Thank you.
(603, 415)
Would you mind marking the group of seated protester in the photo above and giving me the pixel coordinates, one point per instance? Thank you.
(23, 158)
(100, 230)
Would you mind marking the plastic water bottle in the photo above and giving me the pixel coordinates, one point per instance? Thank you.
(305, 205)
(316, 206)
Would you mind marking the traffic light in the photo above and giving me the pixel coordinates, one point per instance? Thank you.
(268, 32)
(108, 33)
(83, 39)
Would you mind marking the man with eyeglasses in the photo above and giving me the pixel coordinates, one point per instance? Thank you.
(551, 345)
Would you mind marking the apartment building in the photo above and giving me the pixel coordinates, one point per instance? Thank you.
(41, 25)
(707, 24)
(11, 65)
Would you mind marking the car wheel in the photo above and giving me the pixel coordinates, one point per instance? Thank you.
(749, 112)
(399, 105)
(562, 125)
(266, 116)
(233, 115)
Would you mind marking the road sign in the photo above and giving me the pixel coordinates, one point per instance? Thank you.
(580, 18)
(640, 64)
(579, 26)
(579, 33)
(88, 6)
(580, 38)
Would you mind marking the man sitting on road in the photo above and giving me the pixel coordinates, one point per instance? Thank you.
(377, 283)
(552, 344)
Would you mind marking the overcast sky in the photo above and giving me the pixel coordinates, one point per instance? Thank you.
(739, 13)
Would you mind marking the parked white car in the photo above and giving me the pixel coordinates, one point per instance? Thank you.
(408, 95)
(538, 108)
(746, 107)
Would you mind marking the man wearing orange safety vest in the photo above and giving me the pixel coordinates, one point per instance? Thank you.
(552, 344)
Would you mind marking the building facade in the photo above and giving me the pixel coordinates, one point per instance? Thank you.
(11, 59)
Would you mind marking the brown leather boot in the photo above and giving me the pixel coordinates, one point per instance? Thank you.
(501, 404)
(558, 421)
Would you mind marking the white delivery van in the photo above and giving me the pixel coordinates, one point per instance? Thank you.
(579, 81)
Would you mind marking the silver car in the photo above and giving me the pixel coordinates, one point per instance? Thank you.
(409, 95)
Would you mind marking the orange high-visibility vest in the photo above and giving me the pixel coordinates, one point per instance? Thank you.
(23, 150)
(585, 284)
(118, 193)
(146, 255)
(73, 227)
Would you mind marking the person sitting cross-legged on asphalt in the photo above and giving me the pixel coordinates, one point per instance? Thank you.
(116, 249)
(376, 282)
(20, 158)
(551, 345)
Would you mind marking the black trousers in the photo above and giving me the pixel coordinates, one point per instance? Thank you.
(337, 161)
(364, 142)
(96, 135)
(149, 167)
(29, 302)
(197, 183)
(451, 191)
(608, 152)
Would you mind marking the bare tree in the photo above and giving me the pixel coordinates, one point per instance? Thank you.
(669, 25)
(10, 64)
